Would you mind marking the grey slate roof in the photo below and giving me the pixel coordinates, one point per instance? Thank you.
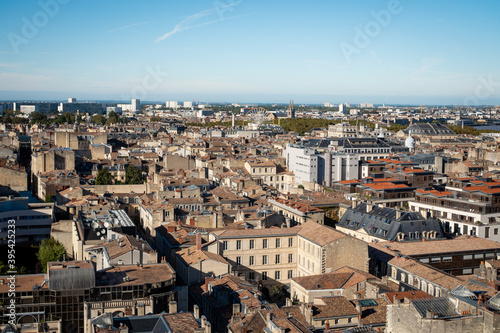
(429, 129)
(382, 222)
(440, 306)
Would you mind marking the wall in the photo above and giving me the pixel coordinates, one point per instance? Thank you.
(17, 180)
(346, 251)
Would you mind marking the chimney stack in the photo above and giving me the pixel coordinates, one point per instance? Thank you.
(369, 206)
(196, 311)
(236, 308)
(172, 307)
(398, 213)
(198, 242)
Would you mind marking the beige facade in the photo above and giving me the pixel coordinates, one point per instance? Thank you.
(276, 255)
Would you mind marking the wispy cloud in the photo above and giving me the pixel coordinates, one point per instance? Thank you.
(128, 26)
(7, 65)
(188, 22)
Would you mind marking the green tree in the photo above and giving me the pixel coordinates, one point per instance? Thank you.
(48, 198)
(99, 119)
(50, 250)
(133, 175)
(38, 118)
(154, 119)
(104, 177)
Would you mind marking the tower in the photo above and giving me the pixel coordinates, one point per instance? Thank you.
(290, 113)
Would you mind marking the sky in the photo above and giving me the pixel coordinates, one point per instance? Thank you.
(250, 51)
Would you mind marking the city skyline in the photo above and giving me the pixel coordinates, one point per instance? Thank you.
(392, 52)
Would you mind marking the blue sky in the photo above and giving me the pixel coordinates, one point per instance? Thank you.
(415, 52)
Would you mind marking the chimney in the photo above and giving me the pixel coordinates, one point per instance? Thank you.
(309, 315)
(288, 302)
(208, 327)
(172, 307)
(327, 325)
(398, 213)
(354, 203)
(203, 321)
(369, 207)
(196, 311)
(236, 308)
(198, 242)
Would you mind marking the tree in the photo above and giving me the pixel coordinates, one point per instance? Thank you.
(133, 175)
(48, 198)
(104, 177)
(38, 118)
(154, 119)
(50, 250)
(99, 119)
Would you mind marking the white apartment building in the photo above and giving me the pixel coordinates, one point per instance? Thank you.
(462, 211)
(172, 104)
(303, 162)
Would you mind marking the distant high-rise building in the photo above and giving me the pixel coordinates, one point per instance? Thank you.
(71, 100)
(136, 105)
(290, 113)
(172, 104)
(188, 105)
(343, 108)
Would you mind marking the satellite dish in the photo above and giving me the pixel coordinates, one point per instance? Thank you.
(103, 231)
(94, 225)
(106, 224)
(98, 233)
(102, 238)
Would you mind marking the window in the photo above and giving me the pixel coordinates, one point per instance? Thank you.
(478, 256)
(251, 276)
(290, 274)
(264, 276)
(424, 260)
(238, 245)
(467, 271)
(264, 260)
(252, 244)
(467, 257)
(447, 259)
(224, 245)
(278, 242)
(435, 259)
(495, 231)
(278, 259)
(277, 275)
(252, 261)
(290, 258)
(290, 242)
(264, 243)
(238, 260)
